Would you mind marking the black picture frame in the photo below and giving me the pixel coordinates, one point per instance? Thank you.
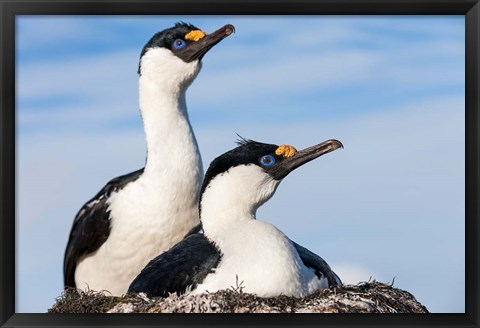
(9, 9)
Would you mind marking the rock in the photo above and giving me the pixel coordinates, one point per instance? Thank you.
(365, 297)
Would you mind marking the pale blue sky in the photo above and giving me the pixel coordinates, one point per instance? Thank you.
(391, 204)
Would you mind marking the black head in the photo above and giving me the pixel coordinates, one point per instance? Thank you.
(247, 152)
(276, 161)
(187, 41)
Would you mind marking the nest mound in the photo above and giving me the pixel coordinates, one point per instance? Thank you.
(365, 297)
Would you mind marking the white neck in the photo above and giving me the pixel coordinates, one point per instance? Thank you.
(234, 196)
(166, 125)
(171, 144)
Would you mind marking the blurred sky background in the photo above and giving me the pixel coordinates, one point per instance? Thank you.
(388, 206)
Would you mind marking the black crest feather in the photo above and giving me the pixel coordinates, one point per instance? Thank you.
(241, 141)
(187, 25)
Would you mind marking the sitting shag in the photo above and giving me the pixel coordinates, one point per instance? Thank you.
(139, 215)
(234, 244)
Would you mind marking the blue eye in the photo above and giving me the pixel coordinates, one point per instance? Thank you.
(179, 44)
(267, 160)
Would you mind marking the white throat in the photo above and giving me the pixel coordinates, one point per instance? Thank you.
(234, 196)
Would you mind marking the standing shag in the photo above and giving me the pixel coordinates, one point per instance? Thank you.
(138, 215)
(235, 244)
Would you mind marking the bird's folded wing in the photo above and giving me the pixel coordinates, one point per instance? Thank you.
(322, 269)
(184, 266)
(91, 226)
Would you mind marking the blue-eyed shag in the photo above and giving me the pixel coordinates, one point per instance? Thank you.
(139, 215)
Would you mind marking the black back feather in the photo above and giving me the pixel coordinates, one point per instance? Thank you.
(315, 262)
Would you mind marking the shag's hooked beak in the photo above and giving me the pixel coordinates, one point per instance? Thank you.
(196, 50)
(283, 168)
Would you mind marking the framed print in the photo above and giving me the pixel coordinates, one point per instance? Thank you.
(395, 82)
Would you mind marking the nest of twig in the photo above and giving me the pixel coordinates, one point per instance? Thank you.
(365, 297)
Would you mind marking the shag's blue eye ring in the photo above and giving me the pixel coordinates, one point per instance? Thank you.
(267, 160)
(179, 44)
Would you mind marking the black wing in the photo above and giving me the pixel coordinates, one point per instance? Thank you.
(322, 269)
(91, 226)
(185, 264)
